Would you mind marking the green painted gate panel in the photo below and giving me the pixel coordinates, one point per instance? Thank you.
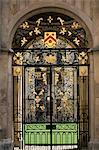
(63, 134)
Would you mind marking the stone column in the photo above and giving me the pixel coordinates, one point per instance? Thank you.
(10, 97)
(6, 98)
(94, 100)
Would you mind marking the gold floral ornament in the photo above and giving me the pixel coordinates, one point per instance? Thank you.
(36, 58)
(50, 19)
(50, 59)
(18, 58)
(25, 25)
(63, 31)
(75, 25)
(17, 71)
(37, 31)
(68, 73)
(23, 41)
(77, 41)
(83, 71)
(82, 57)
(37, 99)
(42, 107)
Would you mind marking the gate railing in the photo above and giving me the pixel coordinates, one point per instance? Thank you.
(24, 132)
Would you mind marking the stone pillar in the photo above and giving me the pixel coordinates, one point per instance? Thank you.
(94, 100)
(6, 98)
(10, 98)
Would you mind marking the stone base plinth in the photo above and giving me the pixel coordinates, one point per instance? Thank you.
(6, 144)
(93, 145)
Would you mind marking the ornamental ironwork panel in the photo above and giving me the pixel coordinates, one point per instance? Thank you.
(44, 56)
(50, 29)
(37, 95)
(51, 98)
(50, 76)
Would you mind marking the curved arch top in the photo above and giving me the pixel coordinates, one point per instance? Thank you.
(59, 7)
(50, 27)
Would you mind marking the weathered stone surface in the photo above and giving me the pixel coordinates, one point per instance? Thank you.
(11, 12)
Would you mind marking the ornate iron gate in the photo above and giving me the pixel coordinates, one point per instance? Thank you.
(50, 98)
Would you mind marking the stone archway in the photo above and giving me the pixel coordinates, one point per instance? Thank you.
(78, 40)
(59, 7)
(85, 21)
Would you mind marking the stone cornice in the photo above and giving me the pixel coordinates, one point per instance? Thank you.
(94, 49)
(5, 50)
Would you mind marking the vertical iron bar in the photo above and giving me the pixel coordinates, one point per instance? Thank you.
(23, 104)
(88, 105)
(22, 111)
(13, 108)
(78, 110)
(51, 108)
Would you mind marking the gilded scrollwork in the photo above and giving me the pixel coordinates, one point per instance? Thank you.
(63, 25)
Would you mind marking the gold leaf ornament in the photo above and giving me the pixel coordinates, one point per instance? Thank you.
(30, 33)
(39, 21)
(23, 41)
(77, 41)
(61, 20)
(67, 104)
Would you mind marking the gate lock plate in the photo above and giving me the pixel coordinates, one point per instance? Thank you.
(50, 126)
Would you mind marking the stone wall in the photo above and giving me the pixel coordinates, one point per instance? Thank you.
(12, 12)
(6, 95)
(3, 92)
(11, 8)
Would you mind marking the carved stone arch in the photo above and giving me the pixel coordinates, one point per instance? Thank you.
(59, 7)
